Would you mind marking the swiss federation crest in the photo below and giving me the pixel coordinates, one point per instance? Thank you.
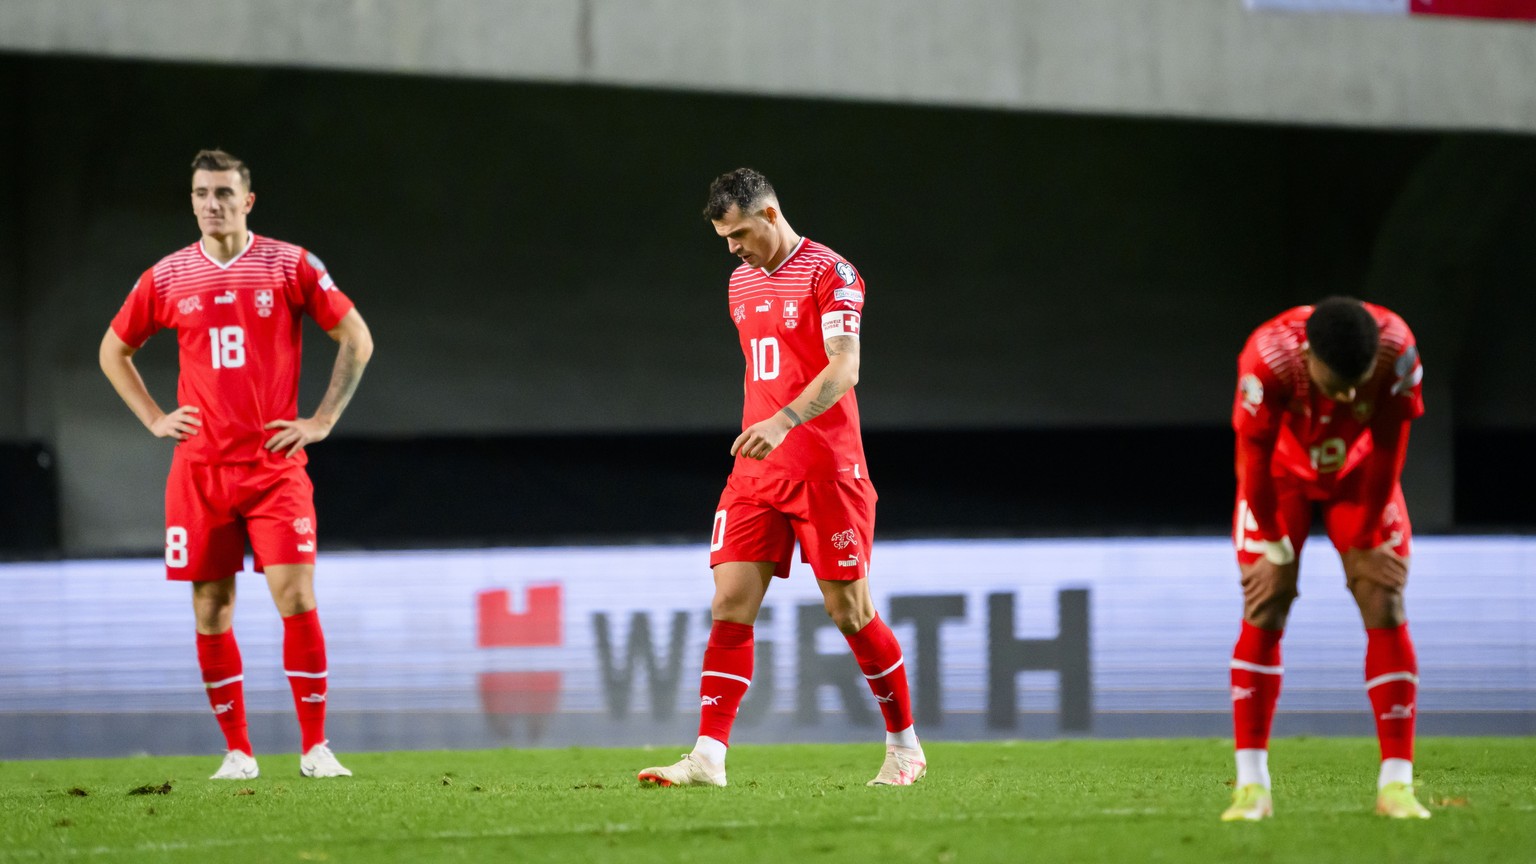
(188, 305)
(264, 302)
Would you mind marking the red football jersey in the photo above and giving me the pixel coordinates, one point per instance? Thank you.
(238, 325)
(784, 319)
(1318, 440)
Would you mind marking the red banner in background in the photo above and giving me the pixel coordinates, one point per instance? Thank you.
(1520, 10)
(1506, 10)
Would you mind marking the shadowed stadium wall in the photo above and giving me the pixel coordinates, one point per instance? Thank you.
(1055, 304)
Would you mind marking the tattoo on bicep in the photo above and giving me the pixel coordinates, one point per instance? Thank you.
(840, 345)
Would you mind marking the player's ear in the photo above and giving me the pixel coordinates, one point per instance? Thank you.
(250, 201)
(770, 213)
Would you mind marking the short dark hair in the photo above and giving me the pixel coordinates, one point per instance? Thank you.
(743, 187)
(218, 160)
(1344, 335)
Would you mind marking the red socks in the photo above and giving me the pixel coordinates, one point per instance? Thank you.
(879, 656)
(727, 674)
(1256, 673)
(219, 658)
(1392, 682)
(304, 664)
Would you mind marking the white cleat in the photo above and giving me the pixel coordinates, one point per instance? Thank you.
(903, 767)
(237, 766)
(688, 771)
(321, 762)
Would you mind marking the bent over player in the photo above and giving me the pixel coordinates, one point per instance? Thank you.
(1324, 398)
(235, 300)
(799, 475)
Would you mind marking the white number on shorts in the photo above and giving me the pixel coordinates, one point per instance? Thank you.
(717, 537)
(765, 359)
(228, 346)
(175, 546)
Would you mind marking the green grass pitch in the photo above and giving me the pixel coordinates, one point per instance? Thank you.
(1061, 801)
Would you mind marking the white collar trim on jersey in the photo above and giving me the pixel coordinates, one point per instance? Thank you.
(786, 258)
(250, 241)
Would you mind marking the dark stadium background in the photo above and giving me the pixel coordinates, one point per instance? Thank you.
(1056, 301)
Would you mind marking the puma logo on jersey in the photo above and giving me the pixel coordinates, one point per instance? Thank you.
(1398, 712)
(314, 697)
(709, 700)
(1241, 693)
(886, 699)
(767, 304)
(307, 547)
(224, 708)
(224, 299)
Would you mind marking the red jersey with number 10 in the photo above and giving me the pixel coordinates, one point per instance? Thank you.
(784, 319)
(238, 327)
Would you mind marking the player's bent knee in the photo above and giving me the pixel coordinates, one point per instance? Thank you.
(850, 619)
(1380, 606)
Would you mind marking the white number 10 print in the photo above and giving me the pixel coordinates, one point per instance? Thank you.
(228, 345)
(765, 359)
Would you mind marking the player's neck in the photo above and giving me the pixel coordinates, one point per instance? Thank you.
(224, 247)
(789, 241)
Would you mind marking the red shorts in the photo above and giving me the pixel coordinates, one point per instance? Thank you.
(212, 510)
(1343, 515)
(759, 519)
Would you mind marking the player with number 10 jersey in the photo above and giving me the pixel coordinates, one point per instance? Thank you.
(799, 476)
(784, 318)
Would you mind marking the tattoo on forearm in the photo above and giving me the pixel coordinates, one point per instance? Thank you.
(790, 413)
(344, 377)
(830, 392)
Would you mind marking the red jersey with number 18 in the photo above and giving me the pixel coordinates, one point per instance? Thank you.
(784, 319)
(238, 328)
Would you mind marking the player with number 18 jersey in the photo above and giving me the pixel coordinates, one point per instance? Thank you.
(237, 301)
(238, 329)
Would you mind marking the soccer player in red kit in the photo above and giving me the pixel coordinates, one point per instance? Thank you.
(235, 300)
(799, 475)
(1325, 395)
